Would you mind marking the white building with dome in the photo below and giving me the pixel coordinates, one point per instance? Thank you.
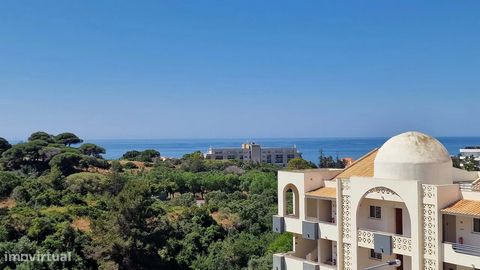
(403, 201)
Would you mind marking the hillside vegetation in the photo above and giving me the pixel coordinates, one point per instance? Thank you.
(138, 213)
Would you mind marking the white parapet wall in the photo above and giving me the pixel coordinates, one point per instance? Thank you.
(301, 181)
(461, 257)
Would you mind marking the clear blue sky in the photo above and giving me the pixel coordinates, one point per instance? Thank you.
(219, 69)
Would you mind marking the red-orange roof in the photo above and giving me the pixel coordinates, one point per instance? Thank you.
(463, 207)
(324, 192)
(362, 167)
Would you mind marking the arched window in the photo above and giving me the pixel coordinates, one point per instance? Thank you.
(290, 205)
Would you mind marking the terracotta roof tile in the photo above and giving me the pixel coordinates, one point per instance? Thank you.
(324, 192)
(463, 207)
(361, 167)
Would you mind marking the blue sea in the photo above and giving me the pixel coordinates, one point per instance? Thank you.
(309, 147)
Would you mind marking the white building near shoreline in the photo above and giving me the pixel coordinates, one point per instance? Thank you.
(255, 153)
(403, 201)
(470, 151)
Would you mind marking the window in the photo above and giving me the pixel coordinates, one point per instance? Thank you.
(278, 158)
(231, 157)
(476, 225)
(218, 157)
(290, 202)
(375, 255)
(375, 212)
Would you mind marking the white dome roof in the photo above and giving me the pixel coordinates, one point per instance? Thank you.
(413, 147)
(414, 156)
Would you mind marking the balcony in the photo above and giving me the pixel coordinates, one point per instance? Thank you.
(325, 230)
(459, 254)
(293, 225)
(400, 244)
(290, 261)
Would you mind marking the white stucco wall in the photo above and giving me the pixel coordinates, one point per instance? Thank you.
(460, 260)
(304, 181)
(471, 195)
(463, 175)
(428, 173)
(465, 229)
(387, 222)
(447, 195)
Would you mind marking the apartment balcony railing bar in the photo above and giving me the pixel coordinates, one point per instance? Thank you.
(314, 219)
(466, 249)
(470, 186)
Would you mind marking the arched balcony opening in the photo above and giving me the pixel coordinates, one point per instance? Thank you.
(383, 210)
(382, 214)
(291, 205)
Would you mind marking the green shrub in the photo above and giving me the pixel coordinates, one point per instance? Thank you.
(130, 166)
(86, 182)
(8, 181)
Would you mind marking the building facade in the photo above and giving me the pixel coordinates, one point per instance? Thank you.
(470, 151)
(403, 201)
(255, 153)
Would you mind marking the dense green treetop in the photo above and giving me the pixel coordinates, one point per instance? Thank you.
(67, 138)
(8, 181)
(42, 136)
(66, 162)
(91, 149)
(148, 155)
(131, 155)
(4, 145)
(329, 161)
(300, 164)
(43, 151)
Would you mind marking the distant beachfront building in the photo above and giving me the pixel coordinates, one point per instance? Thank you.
(470, 151)
(403, 202)
(255, 153)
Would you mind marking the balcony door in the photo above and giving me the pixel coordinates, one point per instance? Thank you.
(449, 228)
(398, 221)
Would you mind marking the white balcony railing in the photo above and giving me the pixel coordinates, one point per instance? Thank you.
(465, 255)
(293, 262)
(465, 249)
(400, 244)
(293, 225)
(327, 230)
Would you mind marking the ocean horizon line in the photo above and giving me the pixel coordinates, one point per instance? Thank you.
(246, 138)
(269, 138)
(310, 147)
